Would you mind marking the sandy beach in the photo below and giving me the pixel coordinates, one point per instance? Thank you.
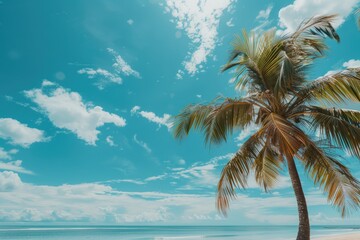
(347, 236)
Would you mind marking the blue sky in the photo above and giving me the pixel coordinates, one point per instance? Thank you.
(87, 90)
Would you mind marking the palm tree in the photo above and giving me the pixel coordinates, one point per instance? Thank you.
(284, 104)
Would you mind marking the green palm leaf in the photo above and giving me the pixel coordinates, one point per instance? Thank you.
(267, 166)
(235, 173)
(342, 188)
(342, 126)
(334, 88)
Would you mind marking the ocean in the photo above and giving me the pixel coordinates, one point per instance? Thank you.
(163, 232)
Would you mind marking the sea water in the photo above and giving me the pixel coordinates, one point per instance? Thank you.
(163, 232)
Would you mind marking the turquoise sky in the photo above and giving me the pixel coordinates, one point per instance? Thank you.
(87, 90)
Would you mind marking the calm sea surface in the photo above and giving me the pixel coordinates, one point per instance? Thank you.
(163, 232)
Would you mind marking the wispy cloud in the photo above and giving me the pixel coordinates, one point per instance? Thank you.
(110, 141)
(230, 23)
(14, 166)
(19, 133)
(7, 154)
(142, 144)
(161, 121)
(263, 19)
(121, 66)
(66, 110)
(264, 14)
(133, 181)
(200, 20)
(104, 77)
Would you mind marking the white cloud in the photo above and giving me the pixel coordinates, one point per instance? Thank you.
(121, 66)
(138, 182)
(4, 154)
(292, 15)
(9, 181)
(264, 14)
(110, 141)
(103, 75)
(200, 20)
(352, 64)
(134, 110)
(100, 203)
(202, 175)
(66, 110)
(262, 19)
(47, 83)
(19, 133)
(154, 178)
(142, 144)
(14, 166)
(161, 121)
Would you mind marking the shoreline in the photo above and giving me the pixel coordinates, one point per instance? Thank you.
(341, 236)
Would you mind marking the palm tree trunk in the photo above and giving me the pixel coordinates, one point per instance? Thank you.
(304, 225)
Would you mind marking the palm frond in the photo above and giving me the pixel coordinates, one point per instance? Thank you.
(236, 171)
(341, 126)
(216, 120)
(193, 116)
(342, 188)
(255, 57)
(267, 166)
(223, 119)
(318, 26)
(333, 88)
(307, 43)
(284, 135)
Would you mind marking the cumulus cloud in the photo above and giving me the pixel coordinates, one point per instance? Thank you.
(161, 121)
(66, 110)
(200, 20)
(9, 181)
(104, 77)
(292, 15)
(352, 64)
(101, 203)
(20, 134)
(4, 154)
